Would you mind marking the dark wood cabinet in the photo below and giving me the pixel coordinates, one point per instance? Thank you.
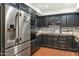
(70, 42)
(42, 22)
(35, 44)
(68, 20)
(55, 42)
(33, 16)
(77, 19)
(53, 20)
(49, 41)
(65, 42)
(71, 20)
(44, 39)
(63, 20)
(59, 42)
(33, 19)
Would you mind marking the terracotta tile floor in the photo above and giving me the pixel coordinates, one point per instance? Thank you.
(53, 52)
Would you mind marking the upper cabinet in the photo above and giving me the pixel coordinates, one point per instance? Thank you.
(71, 20)
(53, 20)
(64, 20)
(42, 22)
(77, 19)
(33, 16)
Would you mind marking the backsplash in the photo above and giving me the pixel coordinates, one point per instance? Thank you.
(52, 28)
(56, 29)
(76, 29)
(67, 29)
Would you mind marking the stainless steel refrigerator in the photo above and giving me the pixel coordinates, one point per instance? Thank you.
(15, 31)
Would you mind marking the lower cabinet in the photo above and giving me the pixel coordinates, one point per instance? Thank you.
(49, 41)
(62, 42)
(44, 39)
(59, 42)
(52, 41)
(35, 45)
(55, 42)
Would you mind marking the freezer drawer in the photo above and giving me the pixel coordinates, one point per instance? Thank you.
(16, 49)
(26, 52)
(21, 47)
(10, 52)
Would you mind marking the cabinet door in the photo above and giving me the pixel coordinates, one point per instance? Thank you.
(65, 42)
(33, 16)
(70, 42)
(50, 42)
(58, 20)
(55, 19)
(55, 42)
(38, 42)
(34, 46)
(42, 22)
(70, 20)
(62, 42)
(52, 20)
(64, 20)
(44, 41)
(77, 19)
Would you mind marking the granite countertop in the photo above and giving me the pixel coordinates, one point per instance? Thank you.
(50, 33)
(75, 34)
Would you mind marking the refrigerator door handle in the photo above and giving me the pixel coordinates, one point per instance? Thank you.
(16, 20)
(17, 14)
(17, 41)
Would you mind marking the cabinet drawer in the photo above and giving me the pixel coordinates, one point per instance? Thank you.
(62, 46)
(63, 42)
(54, 46)
(63, 38)
(21, 47)
(10, 51)
(26, 52)
(16, 49)
(54, 38)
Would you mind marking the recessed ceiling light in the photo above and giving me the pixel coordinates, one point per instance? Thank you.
(46, 6)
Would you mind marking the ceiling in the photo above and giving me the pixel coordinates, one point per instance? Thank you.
(53, 8)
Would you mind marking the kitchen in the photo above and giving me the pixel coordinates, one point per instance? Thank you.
(39, 29)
